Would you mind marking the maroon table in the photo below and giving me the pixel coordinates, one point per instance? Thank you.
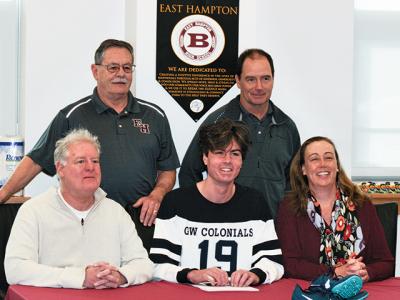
(282, 289)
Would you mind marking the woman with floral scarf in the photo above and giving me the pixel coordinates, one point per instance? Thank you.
(326, 224)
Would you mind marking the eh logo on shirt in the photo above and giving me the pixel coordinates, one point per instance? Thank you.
(144, 128)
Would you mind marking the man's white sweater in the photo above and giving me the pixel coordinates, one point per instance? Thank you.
(50, 246)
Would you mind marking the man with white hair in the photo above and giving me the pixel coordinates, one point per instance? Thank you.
(74, 236)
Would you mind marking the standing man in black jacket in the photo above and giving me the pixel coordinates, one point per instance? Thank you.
(275, 138)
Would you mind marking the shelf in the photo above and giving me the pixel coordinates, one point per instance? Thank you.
(16, 200)
(383, 198)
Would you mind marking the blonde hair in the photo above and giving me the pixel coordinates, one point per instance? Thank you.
(299, 182)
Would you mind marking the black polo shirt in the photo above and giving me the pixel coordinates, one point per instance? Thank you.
(134, 144)
(258, 128)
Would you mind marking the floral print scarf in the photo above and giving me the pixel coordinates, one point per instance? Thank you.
(343, 238)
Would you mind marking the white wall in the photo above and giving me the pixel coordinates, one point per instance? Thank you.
(8, 67)
(311, 43)
(58, 43)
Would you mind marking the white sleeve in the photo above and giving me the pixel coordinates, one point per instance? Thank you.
(21, 258)
(268, 253)
(166, 271)
(135, 263)
(166, 250)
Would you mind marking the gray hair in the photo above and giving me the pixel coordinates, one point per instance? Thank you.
(72, 137)
(110, 43)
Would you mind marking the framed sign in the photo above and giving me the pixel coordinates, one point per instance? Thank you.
(197, 49)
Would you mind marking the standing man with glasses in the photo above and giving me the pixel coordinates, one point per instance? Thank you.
(139, 158)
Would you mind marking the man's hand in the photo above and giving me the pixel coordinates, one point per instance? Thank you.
(214, 276)
(90, 277)
(102, 275)
(151, 203)
(244, 278)
(26, 170)
(3, 196)
(109, 279)
(148, 213)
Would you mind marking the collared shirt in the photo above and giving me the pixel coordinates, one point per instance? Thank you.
(258, 128)
(135, 144)
(80, 214)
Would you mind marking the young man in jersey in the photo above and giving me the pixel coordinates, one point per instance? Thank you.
(217, 231)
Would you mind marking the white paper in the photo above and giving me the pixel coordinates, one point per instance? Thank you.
(226, 288)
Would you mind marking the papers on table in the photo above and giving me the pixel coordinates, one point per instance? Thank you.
(226, 288)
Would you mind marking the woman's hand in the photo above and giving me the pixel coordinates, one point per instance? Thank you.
(353, 266)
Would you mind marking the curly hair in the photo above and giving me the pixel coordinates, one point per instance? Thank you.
(219, 135)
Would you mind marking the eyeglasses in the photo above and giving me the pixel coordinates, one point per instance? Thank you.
(114, 68)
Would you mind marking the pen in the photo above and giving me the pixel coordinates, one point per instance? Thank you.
(206, 283)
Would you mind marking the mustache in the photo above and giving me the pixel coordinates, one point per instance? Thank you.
(119, 80)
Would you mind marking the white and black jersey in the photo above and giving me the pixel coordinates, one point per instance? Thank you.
(194, 233)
